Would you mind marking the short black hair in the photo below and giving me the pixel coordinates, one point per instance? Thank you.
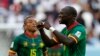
(25, 20)
(27, 17)
(71, 10)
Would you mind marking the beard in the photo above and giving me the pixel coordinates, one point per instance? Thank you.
(33, 30)
(62, 21)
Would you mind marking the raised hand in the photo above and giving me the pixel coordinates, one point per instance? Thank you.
(47, 25)
(40, 25)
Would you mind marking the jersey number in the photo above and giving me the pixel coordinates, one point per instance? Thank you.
(33, 52)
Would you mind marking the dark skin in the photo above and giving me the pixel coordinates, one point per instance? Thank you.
(30, 26)
(66, 17)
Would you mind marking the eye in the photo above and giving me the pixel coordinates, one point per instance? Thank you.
(30, 21)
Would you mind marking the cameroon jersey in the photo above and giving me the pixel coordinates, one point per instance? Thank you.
(76, 30)
(25, 46)
(55, 51)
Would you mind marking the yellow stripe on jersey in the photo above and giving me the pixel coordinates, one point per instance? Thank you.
(11, 51)
(73, 37)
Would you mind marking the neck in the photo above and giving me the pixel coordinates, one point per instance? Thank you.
(69, 23)
(31, 34)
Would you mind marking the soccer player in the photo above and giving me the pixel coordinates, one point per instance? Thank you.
(73, 36)
(28, 43)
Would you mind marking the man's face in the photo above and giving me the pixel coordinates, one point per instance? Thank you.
(30, 25)
(63, 16)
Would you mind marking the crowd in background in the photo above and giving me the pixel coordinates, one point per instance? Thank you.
(14, 11)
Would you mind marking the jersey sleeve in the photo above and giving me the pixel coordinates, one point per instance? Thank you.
(64, 31)
(14, 45)
(77, 34)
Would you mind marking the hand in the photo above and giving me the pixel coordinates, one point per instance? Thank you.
(47, 25)
(40, 25)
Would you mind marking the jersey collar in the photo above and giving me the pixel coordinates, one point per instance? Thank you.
(73, 25)
(31, 35)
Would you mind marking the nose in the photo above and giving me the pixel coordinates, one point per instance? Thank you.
(59, 15)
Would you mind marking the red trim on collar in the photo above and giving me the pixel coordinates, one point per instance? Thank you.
(72, 25)
(31, 35)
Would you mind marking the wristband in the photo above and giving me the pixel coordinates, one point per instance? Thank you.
(52, 29)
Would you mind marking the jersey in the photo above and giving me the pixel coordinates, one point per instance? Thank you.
(78, 49)
(25, 46)
(55, 51)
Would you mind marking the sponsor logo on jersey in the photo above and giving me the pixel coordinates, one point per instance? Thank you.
(41, 44)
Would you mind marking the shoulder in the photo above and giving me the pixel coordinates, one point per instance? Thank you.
(78, 30)
(79, 27)
(16, 38)
(64, 29)
(39, 37)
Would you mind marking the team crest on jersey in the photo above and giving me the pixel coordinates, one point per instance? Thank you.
(78, 34)
(41, 44)
(25, 43)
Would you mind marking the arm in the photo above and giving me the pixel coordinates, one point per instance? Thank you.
(76, 35)
(11, 53)
(13, 47)
(64, 39)
(48, 42)
(67, 40)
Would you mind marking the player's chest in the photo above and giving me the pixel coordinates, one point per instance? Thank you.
(30, 43)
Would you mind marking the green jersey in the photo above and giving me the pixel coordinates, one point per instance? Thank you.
(25, 46)
(55, 51)
(75, 31)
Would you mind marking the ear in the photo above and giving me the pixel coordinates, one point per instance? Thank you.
(24, 27)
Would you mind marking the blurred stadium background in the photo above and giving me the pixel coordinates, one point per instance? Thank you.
(13, 12)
